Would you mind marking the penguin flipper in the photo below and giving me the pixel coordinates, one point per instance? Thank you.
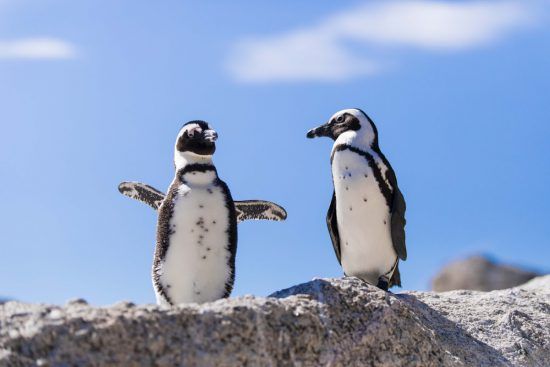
(398, 223)
(398, 208)
(259, 209)
(332, 225)
(142, 192)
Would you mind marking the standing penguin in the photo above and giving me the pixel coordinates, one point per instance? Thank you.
(366, 217)
(194, 258)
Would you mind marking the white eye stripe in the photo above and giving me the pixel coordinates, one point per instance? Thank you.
(195, 130)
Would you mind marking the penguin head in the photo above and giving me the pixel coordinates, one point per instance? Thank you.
(351, 126)
(196, 140)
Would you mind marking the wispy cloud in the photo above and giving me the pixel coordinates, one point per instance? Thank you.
(36, 48)
(322, 52)
(303, 55)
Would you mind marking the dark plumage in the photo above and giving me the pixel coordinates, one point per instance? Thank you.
(353, 131)
(196, 246)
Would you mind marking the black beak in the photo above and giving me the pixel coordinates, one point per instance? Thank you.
(323, 130)
(210, 136)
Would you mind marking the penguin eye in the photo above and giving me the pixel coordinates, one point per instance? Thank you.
(340, 118)
(191, 133)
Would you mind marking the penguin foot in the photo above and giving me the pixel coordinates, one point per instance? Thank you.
(383, 283)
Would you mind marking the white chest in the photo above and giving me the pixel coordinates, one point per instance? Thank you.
(196, 266)
(363, 218)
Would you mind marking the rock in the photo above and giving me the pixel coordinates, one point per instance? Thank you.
(336, 322)
(478, 273)
(77, 301)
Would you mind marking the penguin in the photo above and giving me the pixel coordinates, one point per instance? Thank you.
(196, 243)
(366, 217)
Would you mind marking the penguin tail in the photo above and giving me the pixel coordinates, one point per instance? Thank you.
(396, 277)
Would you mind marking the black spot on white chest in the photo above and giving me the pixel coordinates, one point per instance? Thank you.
(199, 218)
(196, 263)
(361, 206)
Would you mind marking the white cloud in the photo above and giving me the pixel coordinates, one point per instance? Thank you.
(297, 56)
(36, 48)
(322, 52)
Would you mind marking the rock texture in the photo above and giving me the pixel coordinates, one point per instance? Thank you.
(478, 273)
(326, 322)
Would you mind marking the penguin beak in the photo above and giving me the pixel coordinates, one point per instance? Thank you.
(323, 130)
(210, 136)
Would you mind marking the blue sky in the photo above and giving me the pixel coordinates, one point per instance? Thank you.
(94, 92)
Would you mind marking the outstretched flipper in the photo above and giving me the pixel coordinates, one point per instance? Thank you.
(259, 209)
(142, 192)
(246, 209)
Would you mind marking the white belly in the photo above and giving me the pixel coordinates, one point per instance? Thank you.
(363, 218)
(196, 267)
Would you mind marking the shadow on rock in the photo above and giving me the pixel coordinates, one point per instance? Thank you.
(452, 338)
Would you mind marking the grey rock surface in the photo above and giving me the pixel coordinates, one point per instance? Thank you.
(479, 273)
(325, 322)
